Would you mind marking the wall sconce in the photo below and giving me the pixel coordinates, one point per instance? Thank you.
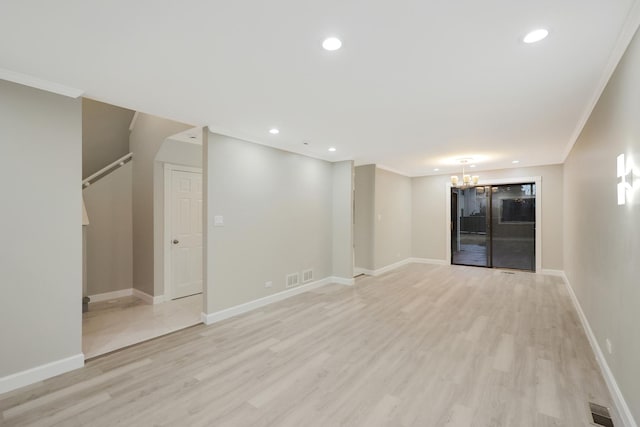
(625, 185)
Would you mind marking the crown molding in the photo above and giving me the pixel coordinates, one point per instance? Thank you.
(627, 32)
(38, 83)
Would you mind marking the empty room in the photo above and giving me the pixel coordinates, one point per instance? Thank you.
(320, 213)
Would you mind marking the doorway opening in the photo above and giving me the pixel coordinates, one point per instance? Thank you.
(494, 226)
(126, 297)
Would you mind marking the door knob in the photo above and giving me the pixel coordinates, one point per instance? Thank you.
(176, 241)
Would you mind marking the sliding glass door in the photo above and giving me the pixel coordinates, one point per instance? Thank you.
(494, 226)
(469, 237)
(513, 226)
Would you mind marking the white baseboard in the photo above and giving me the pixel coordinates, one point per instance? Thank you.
(218, 316)
(342, 281)
(428, 261)
(388, 268)
(39, 373)
(358, 271)
(111, 295)
(549, 272)
(618, 399)
(149, 299)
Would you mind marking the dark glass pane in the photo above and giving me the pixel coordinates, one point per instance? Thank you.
(469, 234)
(513, 226)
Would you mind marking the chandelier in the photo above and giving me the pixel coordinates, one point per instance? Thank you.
(467, 180)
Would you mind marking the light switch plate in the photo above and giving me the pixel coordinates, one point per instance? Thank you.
(218, 221)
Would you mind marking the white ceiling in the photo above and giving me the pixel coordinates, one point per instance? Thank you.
(417, 83)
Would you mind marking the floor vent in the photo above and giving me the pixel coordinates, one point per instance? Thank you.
(507, 272)
(293, 280)
(600, 415)
(307, 276)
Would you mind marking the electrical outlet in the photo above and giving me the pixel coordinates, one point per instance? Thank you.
(268, 284)
(609, 346)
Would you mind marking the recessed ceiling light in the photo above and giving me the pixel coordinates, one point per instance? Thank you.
(274, 131)
(331, 43)
(332, 149)
(472, 166)
(515, 162)
(536, 35)
(436, 170)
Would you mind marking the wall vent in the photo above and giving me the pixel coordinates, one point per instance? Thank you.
(293, 280)
(307, 276)
(600, 415)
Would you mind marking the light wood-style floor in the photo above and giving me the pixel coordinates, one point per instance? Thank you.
(121, 322)
(423, 345)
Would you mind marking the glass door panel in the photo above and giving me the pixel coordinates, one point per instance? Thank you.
(513, 226)
(470, 243)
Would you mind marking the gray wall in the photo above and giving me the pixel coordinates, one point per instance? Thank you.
(277, 209)
(41, 251)
(109, 235)
(105, 134)
(603, 239)
(392, 220)
(342, 220)
(429, 212)
(145, 141)
(363, 231)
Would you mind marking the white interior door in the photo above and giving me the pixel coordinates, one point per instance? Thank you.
(186, 233)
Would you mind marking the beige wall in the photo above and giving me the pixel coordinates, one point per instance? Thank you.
(430, 222)
(41, 222)
(342, 220)
(363, 231)
(277, 209)
(392, 221)
(603, 239)
(145, 140)
(109, 237)
(105, 134)
(428, 217)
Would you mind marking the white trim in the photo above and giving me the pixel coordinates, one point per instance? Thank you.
(549, 272)
(357, 271)
(149, 299)
(342, 281)
(40, 373)
(618, 399)
(428, 261)
(134, 119)
(167, 170)
(387, 268)
(111, 295)
(388, 169)
(38, 83)
(625, 36)
(384, 269)
(218, 316)
(500, 181)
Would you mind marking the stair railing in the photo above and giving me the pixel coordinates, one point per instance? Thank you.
(106, 170)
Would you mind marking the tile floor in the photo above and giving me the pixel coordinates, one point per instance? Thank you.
(114, 324)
